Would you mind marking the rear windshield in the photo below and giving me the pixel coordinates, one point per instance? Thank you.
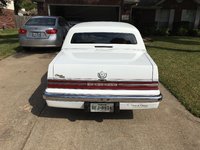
(103, 38)
(41, 22)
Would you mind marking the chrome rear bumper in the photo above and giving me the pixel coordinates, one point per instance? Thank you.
(101, 98)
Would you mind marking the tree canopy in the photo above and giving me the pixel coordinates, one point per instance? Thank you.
(3, 3)
(26, 4)
(18, 4)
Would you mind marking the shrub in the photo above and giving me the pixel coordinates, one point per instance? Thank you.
(193, 32)
(182, 31)
(162, 32)
(180, 28)
(148, 30)
(198, 32)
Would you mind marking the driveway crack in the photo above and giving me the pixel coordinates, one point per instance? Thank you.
(30, 132)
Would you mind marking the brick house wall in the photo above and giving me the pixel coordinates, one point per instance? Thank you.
(7, 19)
(91, 2)
(179, 8)
(173, 4)
(147, 15)
(43, 7)
(151, 15)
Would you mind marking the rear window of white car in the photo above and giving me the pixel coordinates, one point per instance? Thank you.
(103, 38)
(41, 22)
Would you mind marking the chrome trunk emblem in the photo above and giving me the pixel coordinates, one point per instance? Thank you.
(60, 76)
(102, 75)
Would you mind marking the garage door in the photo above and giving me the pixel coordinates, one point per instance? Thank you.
(86, 13)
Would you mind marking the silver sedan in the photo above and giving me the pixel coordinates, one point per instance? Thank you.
(43, 31)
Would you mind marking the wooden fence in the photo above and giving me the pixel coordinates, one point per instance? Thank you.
(20, 20)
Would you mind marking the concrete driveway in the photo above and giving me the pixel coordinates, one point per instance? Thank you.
(27, 123)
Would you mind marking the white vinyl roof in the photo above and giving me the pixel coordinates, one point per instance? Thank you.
(104, 26)
(107, 27)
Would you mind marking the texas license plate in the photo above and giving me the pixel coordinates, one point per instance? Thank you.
(36, 34)
(101, 107)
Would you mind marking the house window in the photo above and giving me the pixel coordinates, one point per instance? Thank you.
(162, 17)
(188, 15)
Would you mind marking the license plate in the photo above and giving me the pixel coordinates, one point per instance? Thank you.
(36, 35)
(101, 107)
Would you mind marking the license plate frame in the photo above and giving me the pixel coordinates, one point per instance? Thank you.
(37, 35)
(102, 107)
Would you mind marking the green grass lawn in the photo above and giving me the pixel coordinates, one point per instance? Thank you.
(9, 43)
(178, 59)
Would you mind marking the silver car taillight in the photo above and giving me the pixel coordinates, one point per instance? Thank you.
(22, 31)
(51, 31)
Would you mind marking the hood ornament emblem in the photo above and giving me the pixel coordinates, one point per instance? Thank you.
(102, 76)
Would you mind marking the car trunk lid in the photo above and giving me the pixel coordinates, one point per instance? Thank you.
(38, 32)
(94, 65)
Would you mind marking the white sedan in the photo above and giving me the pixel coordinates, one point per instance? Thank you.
(103, 67)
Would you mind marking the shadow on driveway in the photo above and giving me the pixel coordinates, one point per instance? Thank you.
(40, 109)
(23, 53)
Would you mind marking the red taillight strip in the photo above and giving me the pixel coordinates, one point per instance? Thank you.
(102, 85)
(121, 82)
